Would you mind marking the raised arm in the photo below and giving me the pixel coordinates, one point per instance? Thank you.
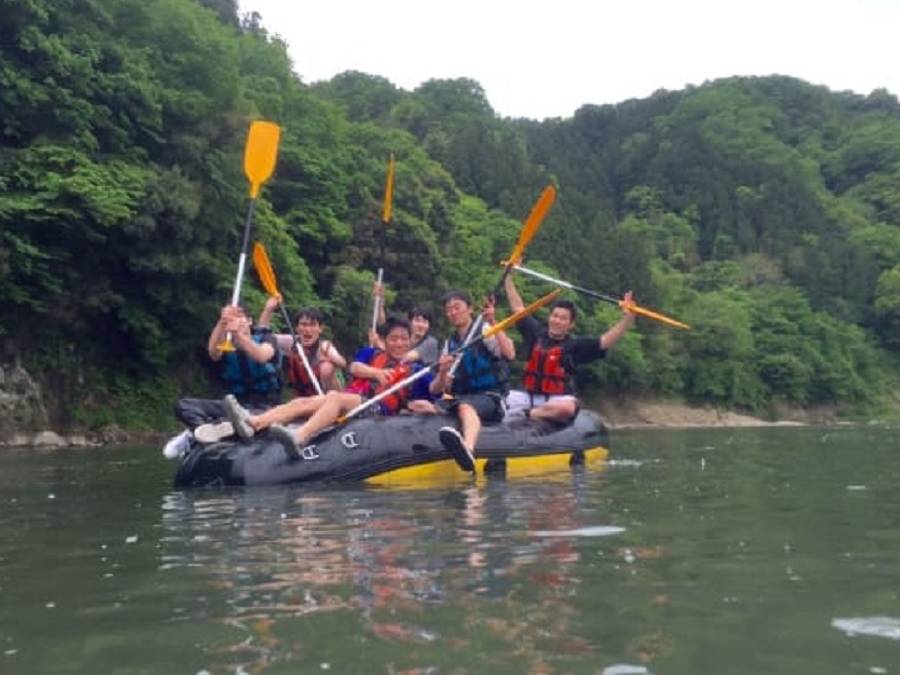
(217, 335)
(612, 336)
(512, 294)
(504, 343)
(265, 316)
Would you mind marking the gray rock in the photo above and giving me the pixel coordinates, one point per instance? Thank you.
(21, 405)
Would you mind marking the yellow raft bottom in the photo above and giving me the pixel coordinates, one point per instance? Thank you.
(447, 471)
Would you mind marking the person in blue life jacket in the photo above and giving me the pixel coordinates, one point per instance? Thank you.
(477, 387)
(373, 369)
(323, 356)
(553, 354)
(251, 372)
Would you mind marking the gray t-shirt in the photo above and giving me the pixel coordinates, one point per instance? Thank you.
(428, 348)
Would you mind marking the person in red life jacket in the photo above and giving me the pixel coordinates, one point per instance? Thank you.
(324, 358)
(373, 370)
(479, 384)
(553, 353)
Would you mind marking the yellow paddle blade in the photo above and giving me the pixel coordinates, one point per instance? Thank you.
(534, 220)
(522, 313)
(264, 269)
(389, 192)
(650, 314)
(260, 153)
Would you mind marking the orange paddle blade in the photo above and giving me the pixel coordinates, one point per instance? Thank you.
(534, 220)
(264, 269)
(650, 314)
(522, 313)
(260, 153)
(389, 192)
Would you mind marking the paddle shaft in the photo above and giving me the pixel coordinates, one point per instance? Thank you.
(566, 284)
(376, 306)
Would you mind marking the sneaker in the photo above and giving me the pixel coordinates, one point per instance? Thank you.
(239, 417)
(287, 438)
(453, 443)
(178, 445)
(213, 432)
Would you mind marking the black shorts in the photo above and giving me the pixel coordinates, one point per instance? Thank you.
(489, 406)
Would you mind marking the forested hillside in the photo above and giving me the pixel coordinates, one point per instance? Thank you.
(766, 212)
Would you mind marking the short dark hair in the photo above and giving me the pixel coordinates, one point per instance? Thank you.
(565, 304)
(310, 313)
(456, 295)
(392, 323)
(419, 311)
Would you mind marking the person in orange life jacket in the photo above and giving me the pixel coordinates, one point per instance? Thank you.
(324, 358)
(252, 372)
(553, 353)
(480, 381)
(373, 369)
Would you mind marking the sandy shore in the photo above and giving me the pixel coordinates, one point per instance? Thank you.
(639, 413)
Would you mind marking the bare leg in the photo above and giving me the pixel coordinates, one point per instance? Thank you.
(470, 423)
(334, 404)
(555, 411)
(303, 406)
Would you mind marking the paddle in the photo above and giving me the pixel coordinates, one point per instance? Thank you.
(267, 279)
(530, 227)
(631, 307)
(386, 219)
(493, 330)
(260, 153)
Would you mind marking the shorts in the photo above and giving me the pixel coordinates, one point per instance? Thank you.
(518, 402)
(489, 406)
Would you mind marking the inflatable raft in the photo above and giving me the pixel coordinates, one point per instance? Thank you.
(392, 450)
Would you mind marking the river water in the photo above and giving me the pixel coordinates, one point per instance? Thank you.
(770, 550)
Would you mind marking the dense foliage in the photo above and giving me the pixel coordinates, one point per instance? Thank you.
(764, 211)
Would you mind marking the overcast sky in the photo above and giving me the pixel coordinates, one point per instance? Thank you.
(545, 59)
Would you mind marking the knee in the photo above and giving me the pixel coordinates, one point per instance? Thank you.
(326, 370)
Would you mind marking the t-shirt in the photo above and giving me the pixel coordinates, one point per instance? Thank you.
(428, 349)
(579, 349)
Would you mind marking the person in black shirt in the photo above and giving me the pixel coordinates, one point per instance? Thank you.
(553, 353)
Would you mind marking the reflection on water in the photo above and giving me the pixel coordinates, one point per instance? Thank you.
(433, 572)
(752, 551)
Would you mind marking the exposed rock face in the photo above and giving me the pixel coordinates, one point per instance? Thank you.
(21, 405)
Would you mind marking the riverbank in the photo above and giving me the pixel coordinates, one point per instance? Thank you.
(636, 413)
(618, 413)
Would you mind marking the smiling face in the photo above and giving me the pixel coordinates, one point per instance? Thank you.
(560, 323)
(420, 326)
(396, 342)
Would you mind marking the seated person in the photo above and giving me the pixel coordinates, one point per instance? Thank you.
(374, 370)
(479, 384)
(548, 384)
(425, 347)
(324, 358)
(251, 372)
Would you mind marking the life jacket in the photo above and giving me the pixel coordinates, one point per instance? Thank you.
(249, 379)
(479, 369)
(392, 404)
(297, 375)
(550, 368)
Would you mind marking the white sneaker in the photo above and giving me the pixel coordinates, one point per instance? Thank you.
(178, 445)
(213, 432)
